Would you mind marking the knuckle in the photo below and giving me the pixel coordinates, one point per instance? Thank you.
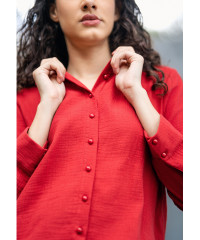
(57, 63)
(130, 49)
(141, 57)
(54, 59)
(117, 85)
(35, 72)
(42, 61)
(45, 60)
(119, 48)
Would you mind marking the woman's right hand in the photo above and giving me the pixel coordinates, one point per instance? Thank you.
(49, 78)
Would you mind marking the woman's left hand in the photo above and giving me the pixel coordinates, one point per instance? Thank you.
(127, 65)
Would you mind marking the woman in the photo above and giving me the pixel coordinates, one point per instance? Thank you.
(99, 135)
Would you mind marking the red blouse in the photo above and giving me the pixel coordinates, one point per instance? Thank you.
(99, 177)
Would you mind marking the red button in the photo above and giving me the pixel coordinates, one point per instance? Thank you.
(90, 95)
(92, 115)
(84, 198)
(79, 230)
(106, 76)
(163, 155)
(155, 141)
(90, 141)
(88, 168)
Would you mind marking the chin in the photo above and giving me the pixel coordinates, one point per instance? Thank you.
(94, 36)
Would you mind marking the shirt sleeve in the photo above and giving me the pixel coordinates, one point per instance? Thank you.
(166, 145)
(29, 153)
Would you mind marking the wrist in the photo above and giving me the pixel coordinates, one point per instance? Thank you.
(147, 114)
(47, 107)
(135, 93)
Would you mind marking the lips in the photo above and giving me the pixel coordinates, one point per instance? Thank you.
(90, 20)
(89, 17)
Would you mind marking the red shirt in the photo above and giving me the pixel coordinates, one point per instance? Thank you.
(99, 177)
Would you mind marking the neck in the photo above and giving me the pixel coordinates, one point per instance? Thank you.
(87, 62)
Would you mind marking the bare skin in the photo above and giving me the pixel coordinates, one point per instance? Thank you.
(84, 63)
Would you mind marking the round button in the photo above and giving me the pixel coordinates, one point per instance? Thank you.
(90, 141)
(92, 115)
(88, 168)
(79, 230)
(90, 95)
(106, 76)
(155, 141)
(163, 155)
(84, 198)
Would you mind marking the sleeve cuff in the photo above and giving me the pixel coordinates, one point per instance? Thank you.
(29, 153)
(165, 143)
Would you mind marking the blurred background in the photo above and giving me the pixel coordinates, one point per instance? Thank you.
(163, 19)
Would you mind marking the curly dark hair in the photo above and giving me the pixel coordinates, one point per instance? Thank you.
(40, 38)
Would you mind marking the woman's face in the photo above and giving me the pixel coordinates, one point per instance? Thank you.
(87, 21)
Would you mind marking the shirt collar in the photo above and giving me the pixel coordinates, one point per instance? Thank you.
(106, 74)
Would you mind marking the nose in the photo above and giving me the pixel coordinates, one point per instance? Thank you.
(88, 5)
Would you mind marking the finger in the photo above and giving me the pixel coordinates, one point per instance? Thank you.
(117, 50)
(57, 62)
(118, 58)
(114, 52)
(51, 68)
(124, 48)
(51, 73)
(123, 62)
(61, 67)
(114, 63)
(54, 66)
(43, 61)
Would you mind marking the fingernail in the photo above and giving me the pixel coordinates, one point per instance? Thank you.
(61, 76)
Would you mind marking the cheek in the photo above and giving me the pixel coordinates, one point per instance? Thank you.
(66, 18)
(111, 19)
(66, 10)
(109, 8)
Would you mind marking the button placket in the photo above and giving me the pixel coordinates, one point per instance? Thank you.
(86, 187)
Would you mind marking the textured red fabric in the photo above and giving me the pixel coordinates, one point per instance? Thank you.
(99, 177)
